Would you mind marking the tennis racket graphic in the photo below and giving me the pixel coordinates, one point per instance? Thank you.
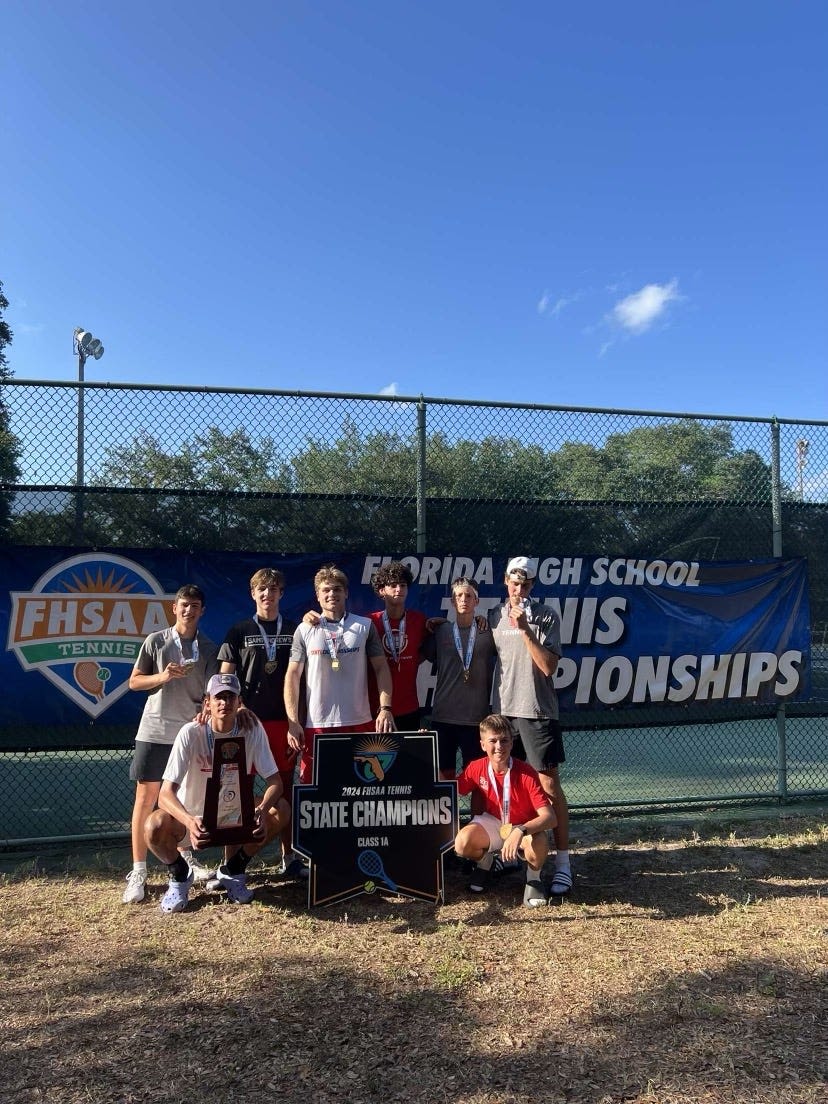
(370, 863)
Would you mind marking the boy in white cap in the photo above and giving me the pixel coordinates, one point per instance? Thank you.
(527, 636)
(181, 801)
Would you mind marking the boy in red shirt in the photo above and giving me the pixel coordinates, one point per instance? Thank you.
(402, 633)
(516, 816)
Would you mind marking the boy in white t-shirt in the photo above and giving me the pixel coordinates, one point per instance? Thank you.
(181, 800)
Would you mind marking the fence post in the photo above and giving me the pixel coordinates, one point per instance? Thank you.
(776, 511)
(421, 475)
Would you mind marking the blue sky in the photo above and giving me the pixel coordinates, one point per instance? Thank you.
(595, 204)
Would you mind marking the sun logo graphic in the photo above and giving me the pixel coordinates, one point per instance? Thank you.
(83, 623)
(374, 757)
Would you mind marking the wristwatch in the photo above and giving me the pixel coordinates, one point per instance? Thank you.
(521, 829)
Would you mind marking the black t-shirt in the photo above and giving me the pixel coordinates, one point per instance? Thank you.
(263, 691)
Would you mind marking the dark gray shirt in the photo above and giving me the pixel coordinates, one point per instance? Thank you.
(455, 700)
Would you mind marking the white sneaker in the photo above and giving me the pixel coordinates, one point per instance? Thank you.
(134, 892)
(201, 873)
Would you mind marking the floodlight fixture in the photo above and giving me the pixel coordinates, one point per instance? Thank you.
(86, 345)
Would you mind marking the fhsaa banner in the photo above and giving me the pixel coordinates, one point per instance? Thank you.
(633, 631)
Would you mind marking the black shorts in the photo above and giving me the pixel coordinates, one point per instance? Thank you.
(408, 722)
(452, 738)
(539, 742)
(149, 761)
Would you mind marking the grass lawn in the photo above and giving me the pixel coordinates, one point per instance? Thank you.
(688, 967)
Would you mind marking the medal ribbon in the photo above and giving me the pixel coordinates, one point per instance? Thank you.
(389, 636)
(180, 643)
(458, 643)
(270, 642)
(333, 640)
(507, 791)
(211, 741)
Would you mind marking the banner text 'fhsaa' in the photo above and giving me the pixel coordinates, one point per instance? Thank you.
(374, 814)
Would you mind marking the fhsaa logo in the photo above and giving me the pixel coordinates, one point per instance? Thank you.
(374, 757)
(83, 623)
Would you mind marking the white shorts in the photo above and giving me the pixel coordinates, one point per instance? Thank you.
(491, 826)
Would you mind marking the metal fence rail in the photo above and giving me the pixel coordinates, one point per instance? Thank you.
(118, 466)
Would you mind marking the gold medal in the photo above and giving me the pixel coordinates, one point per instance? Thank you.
(334, 664)
(271, 666)
(466, 674)
(506, 831)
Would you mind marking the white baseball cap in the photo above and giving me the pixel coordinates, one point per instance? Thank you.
(527, 566)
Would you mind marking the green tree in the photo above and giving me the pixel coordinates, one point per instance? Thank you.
(656, 490)
(220, 490)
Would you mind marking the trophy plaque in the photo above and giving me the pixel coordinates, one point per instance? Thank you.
(229, 808)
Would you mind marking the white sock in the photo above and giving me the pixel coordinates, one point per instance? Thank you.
(487, 860)
(139, 867)
(562, 860)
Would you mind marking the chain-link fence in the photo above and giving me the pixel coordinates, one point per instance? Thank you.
(119, 466)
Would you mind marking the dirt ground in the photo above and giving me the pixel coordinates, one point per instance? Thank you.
(688, 967)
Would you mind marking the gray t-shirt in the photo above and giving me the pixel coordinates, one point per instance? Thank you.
(457, 701)
(172, 705)
(520, 688)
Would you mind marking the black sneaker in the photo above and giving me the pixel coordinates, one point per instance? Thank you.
(480, 880)
(499, 867)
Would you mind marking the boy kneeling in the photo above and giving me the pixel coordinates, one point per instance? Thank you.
(517, 812)
(181, 800)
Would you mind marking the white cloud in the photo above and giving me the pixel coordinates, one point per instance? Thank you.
(29, 328)
(559, 305)
(640, 310)
(390, 389)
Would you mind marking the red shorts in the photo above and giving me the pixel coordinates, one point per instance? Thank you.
(306, 762)
(277, 738)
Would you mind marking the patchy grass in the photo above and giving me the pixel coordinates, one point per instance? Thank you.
(689, 967)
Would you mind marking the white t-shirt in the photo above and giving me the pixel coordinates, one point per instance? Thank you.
(191, 761)
(337, 697)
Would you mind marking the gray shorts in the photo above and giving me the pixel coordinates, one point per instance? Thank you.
(149, 761)
(539, 742)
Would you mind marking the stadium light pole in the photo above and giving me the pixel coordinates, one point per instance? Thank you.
(802, 447)
(84, 345)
